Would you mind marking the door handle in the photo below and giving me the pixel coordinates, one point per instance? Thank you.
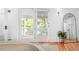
(5, 27)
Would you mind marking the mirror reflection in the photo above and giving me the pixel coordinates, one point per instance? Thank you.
(70, 27)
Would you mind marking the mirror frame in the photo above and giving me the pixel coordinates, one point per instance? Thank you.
(75, 23)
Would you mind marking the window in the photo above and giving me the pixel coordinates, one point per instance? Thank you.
(42, 23)
(34, 27)
(26, 25)
(42, 27)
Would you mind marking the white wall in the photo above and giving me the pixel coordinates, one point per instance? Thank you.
(13, 26)
(2, 23)
(55, 22)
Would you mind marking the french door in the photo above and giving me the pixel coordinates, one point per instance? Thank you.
(35, 28)
(42, 26)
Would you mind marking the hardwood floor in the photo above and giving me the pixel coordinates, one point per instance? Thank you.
(61, 46)
(69, 40)
(70, 46)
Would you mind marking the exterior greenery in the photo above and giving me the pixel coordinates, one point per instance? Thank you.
(42, 27)
(27, 25)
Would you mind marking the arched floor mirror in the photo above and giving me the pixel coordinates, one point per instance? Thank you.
(70, 28)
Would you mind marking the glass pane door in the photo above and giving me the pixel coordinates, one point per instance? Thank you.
(26, 25)
(42, 26)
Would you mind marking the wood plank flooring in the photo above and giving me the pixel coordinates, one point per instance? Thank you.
(70, 46)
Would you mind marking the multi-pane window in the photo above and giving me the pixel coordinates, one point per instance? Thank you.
(26, 25)
(41, 27)
(42, 23)
(35, 26)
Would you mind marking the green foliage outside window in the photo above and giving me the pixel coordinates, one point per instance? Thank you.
(27, 24)
(42, 24)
